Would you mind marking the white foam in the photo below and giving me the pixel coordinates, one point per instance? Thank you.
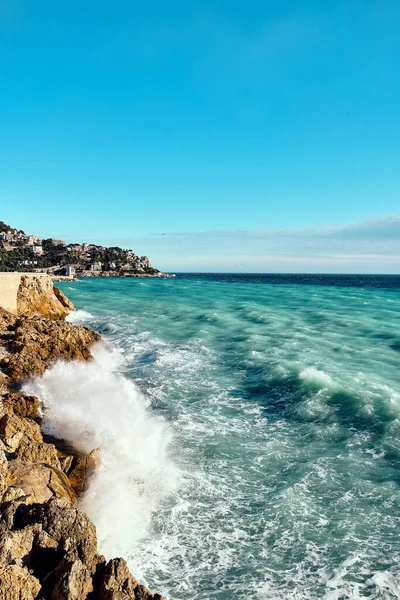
(79, 317)
(316, 378)
(92, 405)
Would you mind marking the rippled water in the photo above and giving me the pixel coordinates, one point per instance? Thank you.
(280, 398)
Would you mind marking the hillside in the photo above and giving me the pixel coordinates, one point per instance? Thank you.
(22, 252)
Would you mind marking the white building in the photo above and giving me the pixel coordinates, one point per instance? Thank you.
(96, 266)
(36, 250)
(57, 242)
(70, 271)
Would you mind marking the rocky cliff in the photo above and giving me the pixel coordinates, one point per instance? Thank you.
(48, 548)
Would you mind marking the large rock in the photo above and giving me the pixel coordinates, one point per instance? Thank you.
(33, 294)
(36, 483)
(38, 296)
(34, 343)
(74, 581)
(85, 466)
(64, 523)
(119, 584)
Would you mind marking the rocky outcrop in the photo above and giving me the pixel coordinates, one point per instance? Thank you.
(38, 295)
(31, 344)
(33, 294)
(48, 547)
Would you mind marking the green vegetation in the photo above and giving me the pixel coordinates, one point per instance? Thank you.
(19, 252)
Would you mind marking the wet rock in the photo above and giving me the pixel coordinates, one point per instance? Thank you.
(22, 405)
(119, 584)
(35, 343)
(84, 469)
(66, 461)
(39, 453)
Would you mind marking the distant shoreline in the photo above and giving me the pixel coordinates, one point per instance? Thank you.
(108, 275)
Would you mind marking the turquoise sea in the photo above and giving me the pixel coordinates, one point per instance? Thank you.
(256, 421)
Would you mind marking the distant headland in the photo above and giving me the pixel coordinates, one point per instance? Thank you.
(29, 253)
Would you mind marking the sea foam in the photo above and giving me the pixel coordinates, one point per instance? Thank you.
(92, 405)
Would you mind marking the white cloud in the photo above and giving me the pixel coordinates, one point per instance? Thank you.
(369, 247)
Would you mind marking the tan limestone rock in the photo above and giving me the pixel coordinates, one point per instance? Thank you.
(85, 467)
(11, 431)
(35, 343)
(69, 527)
(38, 482)
(38, 295)
(16, 432)
(22, 405)
(15, 545)
(74, 581)
(38, 453)
(119, 584)
(16, 583)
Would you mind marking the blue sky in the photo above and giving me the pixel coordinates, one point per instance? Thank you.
(240, 130)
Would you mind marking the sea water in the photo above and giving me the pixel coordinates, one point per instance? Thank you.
(249, 429)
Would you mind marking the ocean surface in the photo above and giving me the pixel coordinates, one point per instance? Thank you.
(250, 432)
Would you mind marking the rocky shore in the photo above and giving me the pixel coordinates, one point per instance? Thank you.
(48, 547)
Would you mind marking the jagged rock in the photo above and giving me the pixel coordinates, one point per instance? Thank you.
(16, 432)
(74, 582)
(48, 548)
(66, 461)
(11, 431)
(119, 584)
(36, 483)
(39, 453)
(3, 469)
(66, 525)
(36, 342)
(15, 545)
(22, 405)
(85, 467)
(38, 295)
(16, 583)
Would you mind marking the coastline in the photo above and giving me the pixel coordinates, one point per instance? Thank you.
(109, 275)
(48, 546)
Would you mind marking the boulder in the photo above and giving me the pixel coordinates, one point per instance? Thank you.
(38, 295)
(36, 483)
(119, 584)
(16, 432)
(74, 581)
(39, 453)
